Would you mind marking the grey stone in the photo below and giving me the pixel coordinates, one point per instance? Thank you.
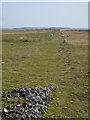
(35, 101)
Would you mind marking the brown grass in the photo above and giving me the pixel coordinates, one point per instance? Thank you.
(77, 37)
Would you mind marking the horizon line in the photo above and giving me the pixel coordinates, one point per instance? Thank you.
(43, 27)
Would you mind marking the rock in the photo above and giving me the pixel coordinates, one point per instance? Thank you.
(85, 110)
(71, 102)
(5, 110)
(23, 116)
(71, 94)
(18, 105)
(65, 108)
(31, 103)
(17, 115)
(62, 87)
(26, 41)
(80, 111)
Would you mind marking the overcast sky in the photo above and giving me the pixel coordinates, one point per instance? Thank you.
(45, 14)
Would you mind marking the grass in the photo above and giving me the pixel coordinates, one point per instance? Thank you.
(43, 61)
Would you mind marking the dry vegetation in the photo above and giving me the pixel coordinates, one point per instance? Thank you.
(77, 37)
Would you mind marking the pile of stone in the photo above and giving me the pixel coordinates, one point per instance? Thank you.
(28, 103)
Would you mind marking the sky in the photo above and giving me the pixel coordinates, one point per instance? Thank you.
(45, 0)
(45, 14)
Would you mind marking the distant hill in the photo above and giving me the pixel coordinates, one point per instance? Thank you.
(40, 28)
(44, 28)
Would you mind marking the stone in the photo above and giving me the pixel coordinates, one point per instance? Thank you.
(31, 103)
(5, 110)
(17, 115)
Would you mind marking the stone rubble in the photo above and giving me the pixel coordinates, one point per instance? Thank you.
(30, 103)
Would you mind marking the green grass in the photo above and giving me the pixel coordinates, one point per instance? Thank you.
(45, 61)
